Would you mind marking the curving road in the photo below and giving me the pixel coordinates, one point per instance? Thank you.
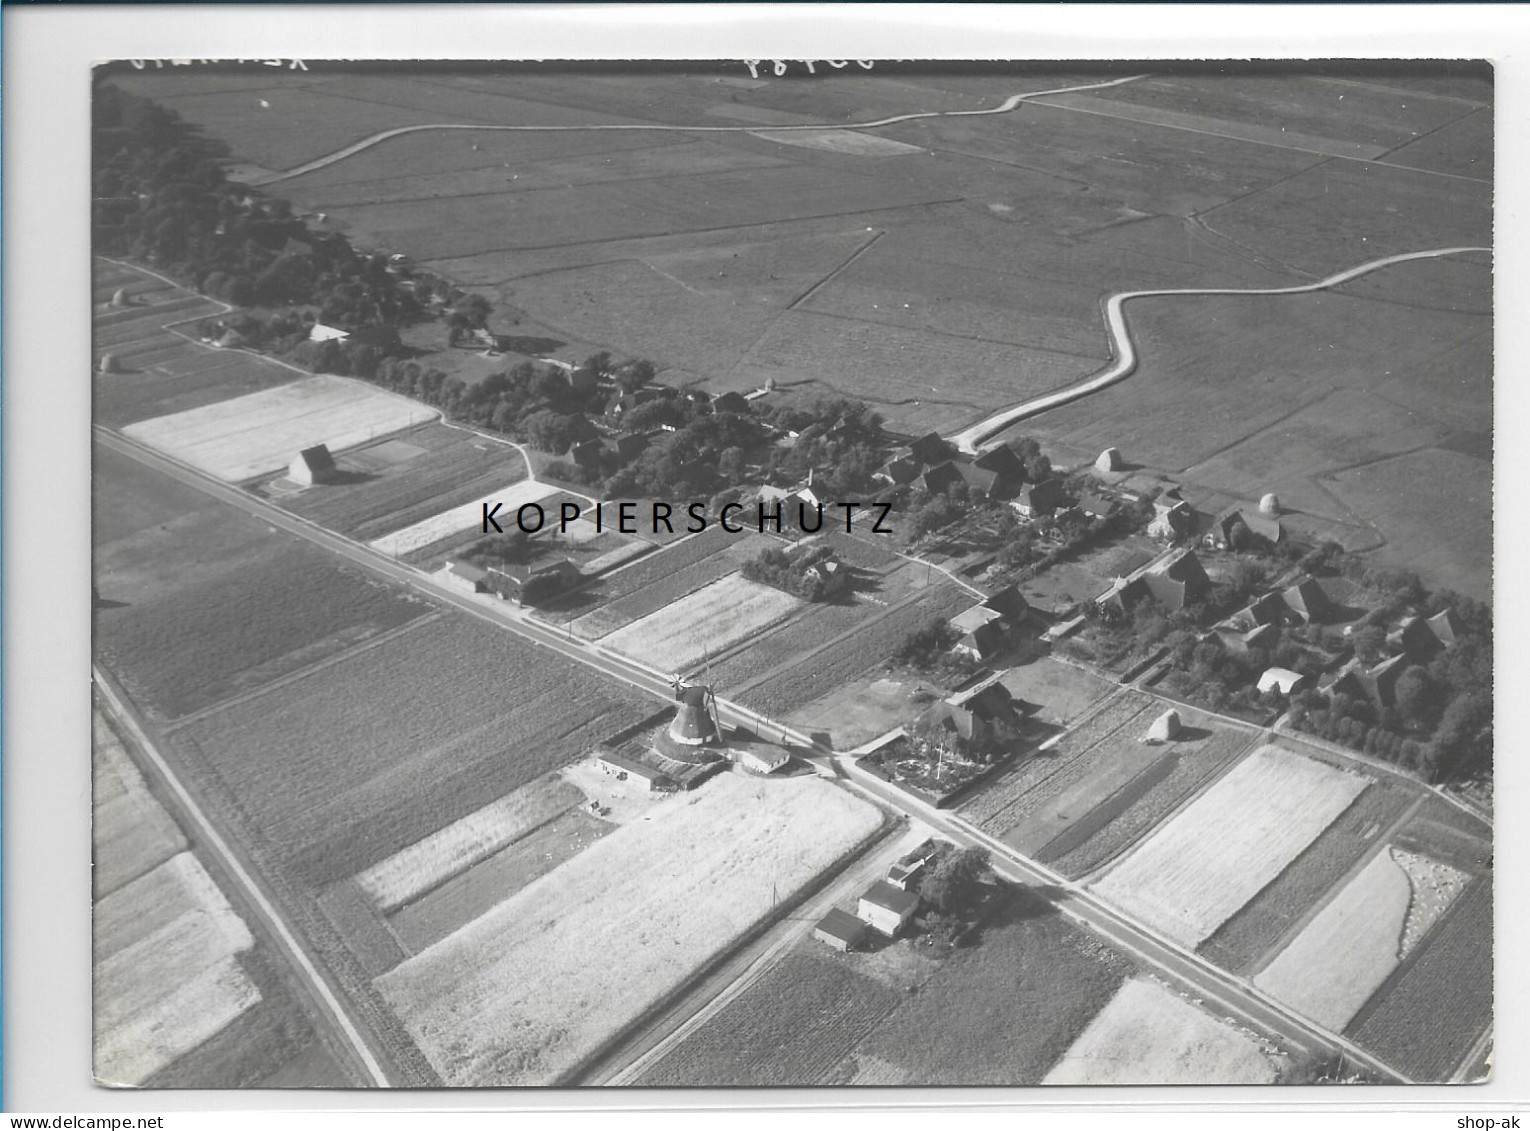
(1124, 350)
(1004, 107)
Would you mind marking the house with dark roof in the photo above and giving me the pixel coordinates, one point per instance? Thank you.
(1038, 500)
(313, 465)
(900, 469)
(1220, 534)
(982, 643)
(840, 929)
(581, 379)
(1267, 609)
(1002, 461)
(941, 478)
(1172, 516)
(887, 909)
(930, 449)
(1178, 581)
(1307, 600)
(1239, 640)
(1096, 506)
(1413, 636)
(1009, 604)
(986, 484)
(1380, 682)
(523, 583)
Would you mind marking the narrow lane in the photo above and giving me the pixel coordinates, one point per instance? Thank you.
(1124, 350)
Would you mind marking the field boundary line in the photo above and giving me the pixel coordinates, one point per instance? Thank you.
(1123, 347)
(830, 277)
(366, 143)
(251, 890)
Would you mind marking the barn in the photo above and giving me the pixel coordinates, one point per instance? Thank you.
(638, 773)
(840, 929)
(312, 465)
(462, 577)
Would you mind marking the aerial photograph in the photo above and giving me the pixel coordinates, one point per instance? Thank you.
(791, 573)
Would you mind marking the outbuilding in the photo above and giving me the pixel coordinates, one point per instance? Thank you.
(766, 761)
(887, 909)
(1283, 680)
(640, 774)
(840, 929)
(312, 465)
(462, 577)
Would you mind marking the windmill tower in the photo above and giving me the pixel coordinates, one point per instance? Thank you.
(695, 723)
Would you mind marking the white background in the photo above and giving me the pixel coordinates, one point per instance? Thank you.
(47, 58)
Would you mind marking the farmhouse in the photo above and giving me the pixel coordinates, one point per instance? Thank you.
(909, 868)
(1096, 506)
(1172, 516)
(887, 909)
(900, 469)
(312, 465)
(766, 761)
(624, 768)
(1010, 605)
(840, 929)
(1039, 500)
(1223, 531)
(1446, 626)
(988, 484)
(831, 572)
(930, 449)
(1307, 601)
(1174, 583)
(462, 577)
(522, 584)
(1003, 462)
(1412, 635)
(941, 478)
(1238, 641)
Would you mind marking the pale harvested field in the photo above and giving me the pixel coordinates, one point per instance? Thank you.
(466, 516)
(166, 975)
(446, 852)
(1348, 949)
(713, 618)
(1150, 1035)
(131, 833)
(617, 928)
(261, 432)
(1211, 859)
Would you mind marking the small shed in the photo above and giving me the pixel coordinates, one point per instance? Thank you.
(1165, 728)
(909, 869)
(764, 761)
(1283, 680)
(887, 909)
(840, 929)
(323, 333)
(312, 465)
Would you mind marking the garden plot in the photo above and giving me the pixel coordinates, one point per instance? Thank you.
(616, 929)
(1211, 859)
(167, 975)
(131, 833)
(467, 516)
(449, 851)
(261, 432)
(1148, 1034)
(711, 619)
(1350, 948)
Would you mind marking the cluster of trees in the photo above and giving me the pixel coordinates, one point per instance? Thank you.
(160, 194)
(510, 548)
(921, 646)
(953, 890)
(838, 439)
(792, 571)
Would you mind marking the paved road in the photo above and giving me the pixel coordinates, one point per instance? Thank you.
(365, 143)
(1124, 350)
(1235, 997)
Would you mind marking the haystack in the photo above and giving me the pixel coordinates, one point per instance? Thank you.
(108, 363)
(1165, 728)
(1110, 460)
(1269, 505)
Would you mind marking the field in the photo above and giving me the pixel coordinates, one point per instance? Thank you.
(516, 493)
(207, 603)
(258, 433)
(1196, 871)
(1243, 943)
(158, 371)
(843, 658)
(399, 740)
(787, 1028)
(449, 851)
(1353, 944)
(669, 892)
(392, 484)
(855, 713)
(990, 807)
(682, 581)
(1059, 692)
(1426, 1018)
(1148, 1034)
(715, 617)
(131, 834)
